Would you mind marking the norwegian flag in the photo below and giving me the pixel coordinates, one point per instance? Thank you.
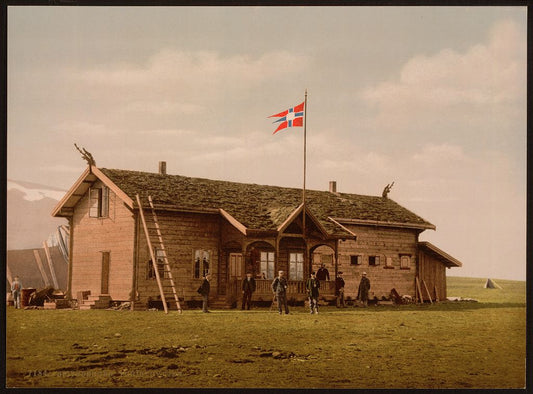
(293, 117)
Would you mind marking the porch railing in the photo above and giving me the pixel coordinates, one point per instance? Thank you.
(296, 288)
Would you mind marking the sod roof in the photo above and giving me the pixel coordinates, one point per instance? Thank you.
(259, 206)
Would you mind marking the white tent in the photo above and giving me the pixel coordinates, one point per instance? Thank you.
(490, 284)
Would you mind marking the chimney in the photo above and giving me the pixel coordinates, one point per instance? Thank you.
(163, 168)
(333, 186)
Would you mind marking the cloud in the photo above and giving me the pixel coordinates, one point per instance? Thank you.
(162, 107)
(196, 75)
(487, 79)
(62, 168)
(81, 128)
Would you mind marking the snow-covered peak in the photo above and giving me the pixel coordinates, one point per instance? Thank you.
(34, 192)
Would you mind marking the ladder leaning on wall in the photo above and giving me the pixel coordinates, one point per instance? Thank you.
(167, 273)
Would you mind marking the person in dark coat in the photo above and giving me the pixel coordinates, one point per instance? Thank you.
(364, 287)
(204, 291)
(248, 287)
(312, 285)
(322, 273)
(279, 288)
(339, 290)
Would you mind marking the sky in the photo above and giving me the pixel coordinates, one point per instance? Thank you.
(432, 98)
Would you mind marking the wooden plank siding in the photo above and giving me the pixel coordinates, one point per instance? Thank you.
(386, 243)
(93, 236)
(183, 233)
(433, 272)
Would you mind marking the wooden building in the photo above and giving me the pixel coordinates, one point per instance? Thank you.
(230, 228)
(37, 268)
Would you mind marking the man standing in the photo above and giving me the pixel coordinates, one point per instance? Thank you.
(279, 287)
(339, 290)
(204, 291)
(16, 288)
(364, 286)
(322, 273)
(248, 287)
(312, 285)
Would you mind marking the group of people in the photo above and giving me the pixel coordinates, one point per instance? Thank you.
(279, 288)
(280, 285)
(312, 285)
(362, 292)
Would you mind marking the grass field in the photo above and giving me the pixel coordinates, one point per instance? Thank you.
(445, 345)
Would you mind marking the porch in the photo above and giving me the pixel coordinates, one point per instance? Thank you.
(295, 292)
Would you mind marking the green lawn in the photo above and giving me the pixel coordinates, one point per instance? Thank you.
(445, 345)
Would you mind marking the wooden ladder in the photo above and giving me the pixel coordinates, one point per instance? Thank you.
(167, 273)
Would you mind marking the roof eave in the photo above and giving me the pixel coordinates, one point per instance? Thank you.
(343, 228)
(281, 228)
(61, 211)
(178, 208)
(57, 209)
(448, 260)
(234, 222)
(418, 226)
(109, 183)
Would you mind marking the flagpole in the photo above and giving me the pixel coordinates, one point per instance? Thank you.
(305, 160)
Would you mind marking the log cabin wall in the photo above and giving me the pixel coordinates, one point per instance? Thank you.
(93, 236)
(390, 244)
(183, 234)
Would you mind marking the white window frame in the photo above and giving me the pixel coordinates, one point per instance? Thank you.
(99, 202)
(405, 261)
(201, 257)
(268, 264)
(296, 266)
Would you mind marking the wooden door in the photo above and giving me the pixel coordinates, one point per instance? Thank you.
(235, 266)
(105, 273)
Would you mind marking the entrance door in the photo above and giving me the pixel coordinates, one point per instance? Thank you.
(235, 266)
(105, 273)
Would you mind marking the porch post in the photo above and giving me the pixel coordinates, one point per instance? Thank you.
(307, 257)
(336, 249)
(276, 265)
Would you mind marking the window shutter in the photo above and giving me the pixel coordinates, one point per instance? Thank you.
(104, 212)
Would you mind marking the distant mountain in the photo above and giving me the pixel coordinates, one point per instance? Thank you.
(29, 220)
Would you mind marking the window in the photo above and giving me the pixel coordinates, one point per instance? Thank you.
(388, 262)
(296, 266)
(373, 260)
(405, 261)
(356, 260)
(159, 256)
(99, 202)
(267, 264)
(201, 263)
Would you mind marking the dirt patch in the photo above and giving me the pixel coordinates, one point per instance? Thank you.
(278, 354)
(241, 361)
